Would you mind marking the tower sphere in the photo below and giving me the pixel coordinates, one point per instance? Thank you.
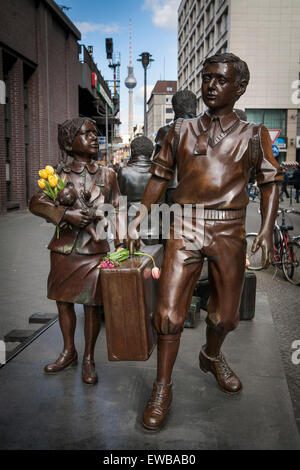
(130, 81)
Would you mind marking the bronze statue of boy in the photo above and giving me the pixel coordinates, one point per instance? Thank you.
(214, 155)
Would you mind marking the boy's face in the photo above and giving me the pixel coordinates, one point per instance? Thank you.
(86, 141)
(219, 91)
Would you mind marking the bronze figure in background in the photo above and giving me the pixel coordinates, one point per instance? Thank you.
(133, 180)
(184, 103)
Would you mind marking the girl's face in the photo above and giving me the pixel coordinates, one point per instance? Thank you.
(86, 141)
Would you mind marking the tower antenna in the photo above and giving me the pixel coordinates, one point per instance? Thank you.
(130, 41)
(130, 83)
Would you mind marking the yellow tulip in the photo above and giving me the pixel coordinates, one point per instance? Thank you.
(42, 183)
(50, 170)
(43, 174)
(53, 180)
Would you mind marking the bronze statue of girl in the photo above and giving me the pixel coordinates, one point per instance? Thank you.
(75, 255)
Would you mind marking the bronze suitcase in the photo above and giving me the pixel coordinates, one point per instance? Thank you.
(129, 298)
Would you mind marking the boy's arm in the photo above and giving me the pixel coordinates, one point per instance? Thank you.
(268, 175)
(269, 202)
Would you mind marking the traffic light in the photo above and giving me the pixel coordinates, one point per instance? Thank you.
(109, 48)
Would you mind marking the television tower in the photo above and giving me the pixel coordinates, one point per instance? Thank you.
(130, 83)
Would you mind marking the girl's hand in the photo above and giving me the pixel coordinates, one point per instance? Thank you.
(78, 217)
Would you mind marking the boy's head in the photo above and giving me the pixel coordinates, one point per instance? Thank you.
(224, 79)
(184, 104)
(141, 146)
(70, 129)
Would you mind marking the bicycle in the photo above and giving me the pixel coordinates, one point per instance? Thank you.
(286, 250)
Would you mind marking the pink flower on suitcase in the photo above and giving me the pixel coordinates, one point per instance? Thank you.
(156, 273)
(121, 254)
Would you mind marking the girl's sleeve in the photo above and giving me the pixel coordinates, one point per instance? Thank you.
(43, 207)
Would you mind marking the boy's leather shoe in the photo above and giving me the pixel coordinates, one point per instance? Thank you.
(64, 360)
(89, 375)
(226, 378)
(158, 406)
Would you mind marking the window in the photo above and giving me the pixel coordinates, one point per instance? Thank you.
(168, 121)
(169, 88)
(226, 21)
(208, 43)
(169, 110)
(220, 28)
(168, 100)
(272, 118)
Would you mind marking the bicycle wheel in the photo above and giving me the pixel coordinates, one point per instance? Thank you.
(255, 259)
(291, 263)
(258, 193)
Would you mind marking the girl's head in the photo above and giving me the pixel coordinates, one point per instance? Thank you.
(68, 131)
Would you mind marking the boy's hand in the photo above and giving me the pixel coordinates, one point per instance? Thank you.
(265, 242)
(133, 238)
(78, 217)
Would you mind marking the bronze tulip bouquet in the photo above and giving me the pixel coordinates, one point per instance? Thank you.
(114, 259)
(50, 182)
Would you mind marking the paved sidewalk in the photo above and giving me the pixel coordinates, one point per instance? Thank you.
(23, 270)
(39, 411)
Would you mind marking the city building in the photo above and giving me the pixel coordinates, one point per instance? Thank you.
(138, 130)
(160, 111)
(266, 34)
(95, 100)
(39, 79)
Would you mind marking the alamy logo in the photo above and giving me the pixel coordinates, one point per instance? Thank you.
(296, 353)
(2, 352)
(296, 94)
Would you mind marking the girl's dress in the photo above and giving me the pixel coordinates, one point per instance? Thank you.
(74, 276)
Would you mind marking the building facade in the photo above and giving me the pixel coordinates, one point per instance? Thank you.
(39, 79)
(160, 111)
(95, 101)
(264, 33)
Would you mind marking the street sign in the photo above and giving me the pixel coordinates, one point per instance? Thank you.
(275, 150)
(274, 133)
(101, 140)
(280, 143)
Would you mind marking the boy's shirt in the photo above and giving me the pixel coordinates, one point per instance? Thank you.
(214, 158)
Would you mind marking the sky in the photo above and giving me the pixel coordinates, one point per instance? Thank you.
(154, 30)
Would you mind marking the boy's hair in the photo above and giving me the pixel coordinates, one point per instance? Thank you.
(241, 68)
(184, 103)
(68, 130)
(141, 146)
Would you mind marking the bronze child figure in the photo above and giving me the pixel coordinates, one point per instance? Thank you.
(214, 156)
(75, 255)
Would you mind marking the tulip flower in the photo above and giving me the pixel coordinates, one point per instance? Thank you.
(42, 183)
(50, 170)
(43, 174)
(53, 180)
(156, 273)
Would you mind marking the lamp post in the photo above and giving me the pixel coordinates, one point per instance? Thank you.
(145, 58)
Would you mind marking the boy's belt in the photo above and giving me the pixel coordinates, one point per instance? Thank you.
(215, 214)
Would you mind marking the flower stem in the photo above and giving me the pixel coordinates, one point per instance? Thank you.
(145, 254)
